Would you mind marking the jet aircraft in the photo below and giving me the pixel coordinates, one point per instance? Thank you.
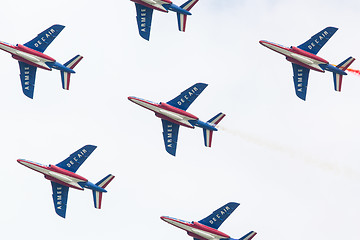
(173, 114)
(303, 58)
(206, 229)
(63, 175)
(144, 10)
(31, 56)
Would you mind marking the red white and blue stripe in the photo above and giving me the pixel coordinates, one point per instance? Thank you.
(338, 77)
(183, 17)
(65, 76)
(207, 132)
(98, 195)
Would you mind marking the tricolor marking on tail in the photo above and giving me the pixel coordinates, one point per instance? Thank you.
(65, 76)
(248, 236)
(209, 133)
(338, 77)
(98, 195)
(182, 17)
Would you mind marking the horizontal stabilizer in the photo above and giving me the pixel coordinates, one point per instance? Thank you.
(73, 62)
(215, 120)
(189, 5)
(98, 195)
(105, 181)
(65, 76)
(181, 21)
(338, 77)
(182, 17)
(248, 236)
(209, 133)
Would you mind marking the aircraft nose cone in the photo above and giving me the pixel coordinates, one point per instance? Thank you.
(164, 218)
(21, 161)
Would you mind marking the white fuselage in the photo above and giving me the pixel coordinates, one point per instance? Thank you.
(306, 60)
(156, 4)
(71, 180)
(195, 229)
(176, 116)
(36, 60)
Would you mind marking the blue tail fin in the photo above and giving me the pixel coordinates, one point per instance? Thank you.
(248, 236)
(215, 219)
(98, 195)
(208, 133)
(182, 17)
(65, 76)
(338, 77)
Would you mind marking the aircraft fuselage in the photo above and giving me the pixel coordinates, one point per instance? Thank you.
(61, 176)
(172, 114)
(167, 112)
(196, 230)
(33, 57)
(303, 58)
(298, 56)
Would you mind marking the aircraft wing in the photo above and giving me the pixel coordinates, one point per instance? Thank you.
(143, 18)
(316, 42)
(27, 77)
(74, 161)
(187, 97)
(43, 39)
(215, 219)
(60, 196)
(301, 76)
(170, 134)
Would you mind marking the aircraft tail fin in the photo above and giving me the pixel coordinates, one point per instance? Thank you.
(65, 76)
(208, 133)
(182, 17)
(248, 236)
(98, 195)
(338, 77)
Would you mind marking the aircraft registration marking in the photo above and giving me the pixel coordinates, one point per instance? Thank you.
(218, 216)
(187, 95)
(317, 41)
(76, 158)
(43, 39)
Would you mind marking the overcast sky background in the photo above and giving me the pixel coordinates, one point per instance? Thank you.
(293, 166)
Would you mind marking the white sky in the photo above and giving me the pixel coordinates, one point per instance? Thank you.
(292, 165)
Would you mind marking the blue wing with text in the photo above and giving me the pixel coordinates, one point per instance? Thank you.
(316, 42)
(27, 77)
(43, 39)
(301, 76)
(187, 97)
(170, 134)
(60, 196)
(74, 161)
(143, 18)
(215, 219)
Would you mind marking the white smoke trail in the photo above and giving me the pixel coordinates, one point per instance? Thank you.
(295, 154)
